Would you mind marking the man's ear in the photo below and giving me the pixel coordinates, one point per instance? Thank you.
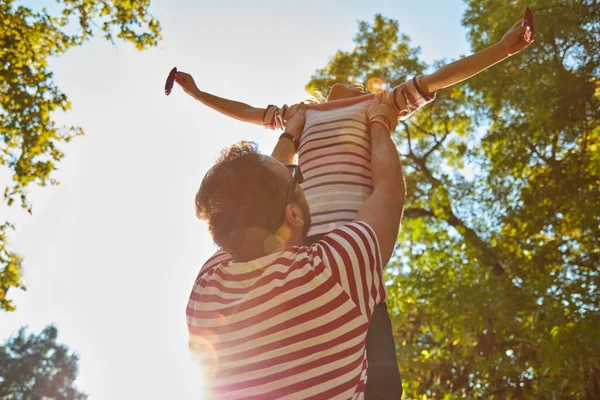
(293, 216)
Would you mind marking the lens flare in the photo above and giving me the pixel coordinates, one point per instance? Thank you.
(273, 243)
(203, 352)
(375, 85)
(284, 232)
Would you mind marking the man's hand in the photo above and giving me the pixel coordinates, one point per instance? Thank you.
(295, 122)
(285, 149)
(378, 108)
(514, 41)
(186, 82)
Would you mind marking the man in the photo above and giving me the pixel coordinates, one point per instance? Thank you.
(284, 319)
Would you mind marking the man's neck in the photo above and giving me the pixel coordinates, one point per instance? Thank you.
(259, 245)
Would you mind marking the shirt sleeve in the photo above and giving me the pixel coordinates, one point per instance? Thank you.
(220, 257)
(407, 98)
(353, 256)
(275, 117)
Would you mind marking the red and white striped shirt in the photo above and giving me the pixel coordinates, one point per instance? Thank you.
(293, 324)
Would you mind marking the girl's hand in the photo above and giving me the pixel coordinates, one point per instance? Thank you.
(513, 41)
(296, 118)
(186, 82)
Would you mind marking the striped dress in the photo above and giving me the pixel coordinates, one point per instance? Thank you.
(334, 157)
(290, 325)
(335, 152)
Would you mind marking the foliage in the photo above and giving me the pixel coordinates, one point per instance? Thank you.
(29, 137)
(494, 284)
(37, 367)
(10, 273)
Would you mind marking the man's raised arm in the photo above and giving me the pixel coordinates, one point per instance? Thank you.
(383, 209)
(285, 149)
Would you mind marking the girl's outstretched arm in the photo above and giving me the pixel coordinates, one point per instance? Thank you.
(233, 109)
(460, 70)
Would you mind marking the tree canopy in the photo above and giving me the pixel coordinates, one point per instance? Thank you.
(30, 139)
(37, 367)
(494, 283)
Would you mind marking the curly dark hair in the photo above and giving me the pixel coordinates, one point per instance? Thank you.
(240, 191)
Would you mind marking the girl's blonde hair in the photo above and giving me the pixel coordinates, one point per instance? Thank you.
(319, 97)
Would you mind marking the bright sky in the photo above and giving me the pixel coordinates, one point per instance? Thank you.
(111, 254)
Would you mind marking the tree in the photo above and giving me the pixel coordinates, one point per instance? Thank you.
(29, 137)
(494, 283)
(37, 367)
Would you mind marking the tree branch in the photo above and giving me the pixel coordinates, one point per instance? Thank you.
(437, 143)
(407, 129)
(419, 128)
(536, 152)
(487, 255)
(555, 145)
(416, 212)
(469, 234)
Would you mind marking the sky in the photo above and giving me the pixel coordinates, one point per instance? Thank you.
(110, 255)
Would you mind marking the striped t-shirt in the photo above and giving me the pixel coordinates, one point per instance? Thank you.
(290, 325)
(335, 152)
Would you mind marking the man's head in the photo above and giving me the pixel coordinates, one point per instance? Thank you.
(251, 204)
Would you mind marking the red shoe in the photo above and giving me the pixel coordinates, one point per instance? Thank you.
(170, 81)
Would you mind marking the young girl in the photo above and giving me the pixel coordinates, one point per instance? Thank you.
(334, 157)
